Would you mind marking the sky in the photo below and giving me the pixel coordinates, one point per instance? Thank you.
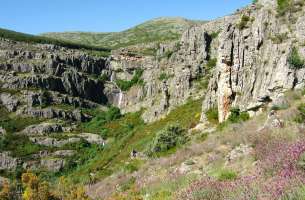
(39, 16)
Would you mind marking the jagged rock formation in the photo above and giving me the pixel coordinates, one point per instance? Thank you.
(253, 67)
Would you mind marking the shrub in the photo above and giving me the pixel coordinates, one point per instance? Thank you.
(279, 38)
(211, 63)
(167, 138)
(226, 175)
(254, 1)
(237, 116)
(243, 22)
(214, 34)
(164, 76)
(212, 115)
(283, 6)
(295, 59)
(136, 79)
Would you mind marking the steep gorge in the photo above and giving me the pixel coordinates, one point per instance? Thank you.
(246, 60)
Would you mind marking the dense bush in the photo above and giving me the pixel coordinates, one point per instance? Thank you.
(136, 79)
(167, 138)
(238, 116)
(243, 22)
(212, 115)
(295, 59)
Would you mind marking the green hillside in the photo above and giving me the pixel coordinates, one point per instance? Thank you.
(23, 37)
(156, 30)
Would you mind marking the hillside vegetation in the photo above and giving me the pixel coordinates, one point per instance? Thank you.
(157, 30)
(23, 37)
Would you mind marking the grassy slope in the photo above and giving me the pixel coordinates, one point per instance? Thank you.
(212, 177)
(130, 132)
(206, 154)
(22, 37)
(157, 30)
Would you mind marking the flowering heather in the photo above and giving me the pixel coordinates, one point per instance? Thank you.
(213, 189)
(288, 174)
(277, 172)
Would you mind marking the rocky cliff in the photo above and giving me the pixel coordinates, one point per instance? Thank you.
(252, 48)
(255, 58)
(245, 60)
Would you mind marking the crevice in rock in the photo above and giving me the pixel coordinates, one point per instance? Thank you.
(208, 40)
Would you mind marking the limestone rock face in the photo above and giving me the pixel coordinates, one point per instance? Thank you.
(7, 162)
(252, 63)
(56, 69)
(52, 113)
(42, 129)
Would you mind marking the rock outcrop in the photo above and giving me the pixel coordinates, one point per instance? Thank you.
(7, 162)
(42, 129)
(253, 66)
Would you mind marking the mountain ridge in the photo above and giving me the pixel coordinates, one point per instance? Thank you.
(156, 30)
